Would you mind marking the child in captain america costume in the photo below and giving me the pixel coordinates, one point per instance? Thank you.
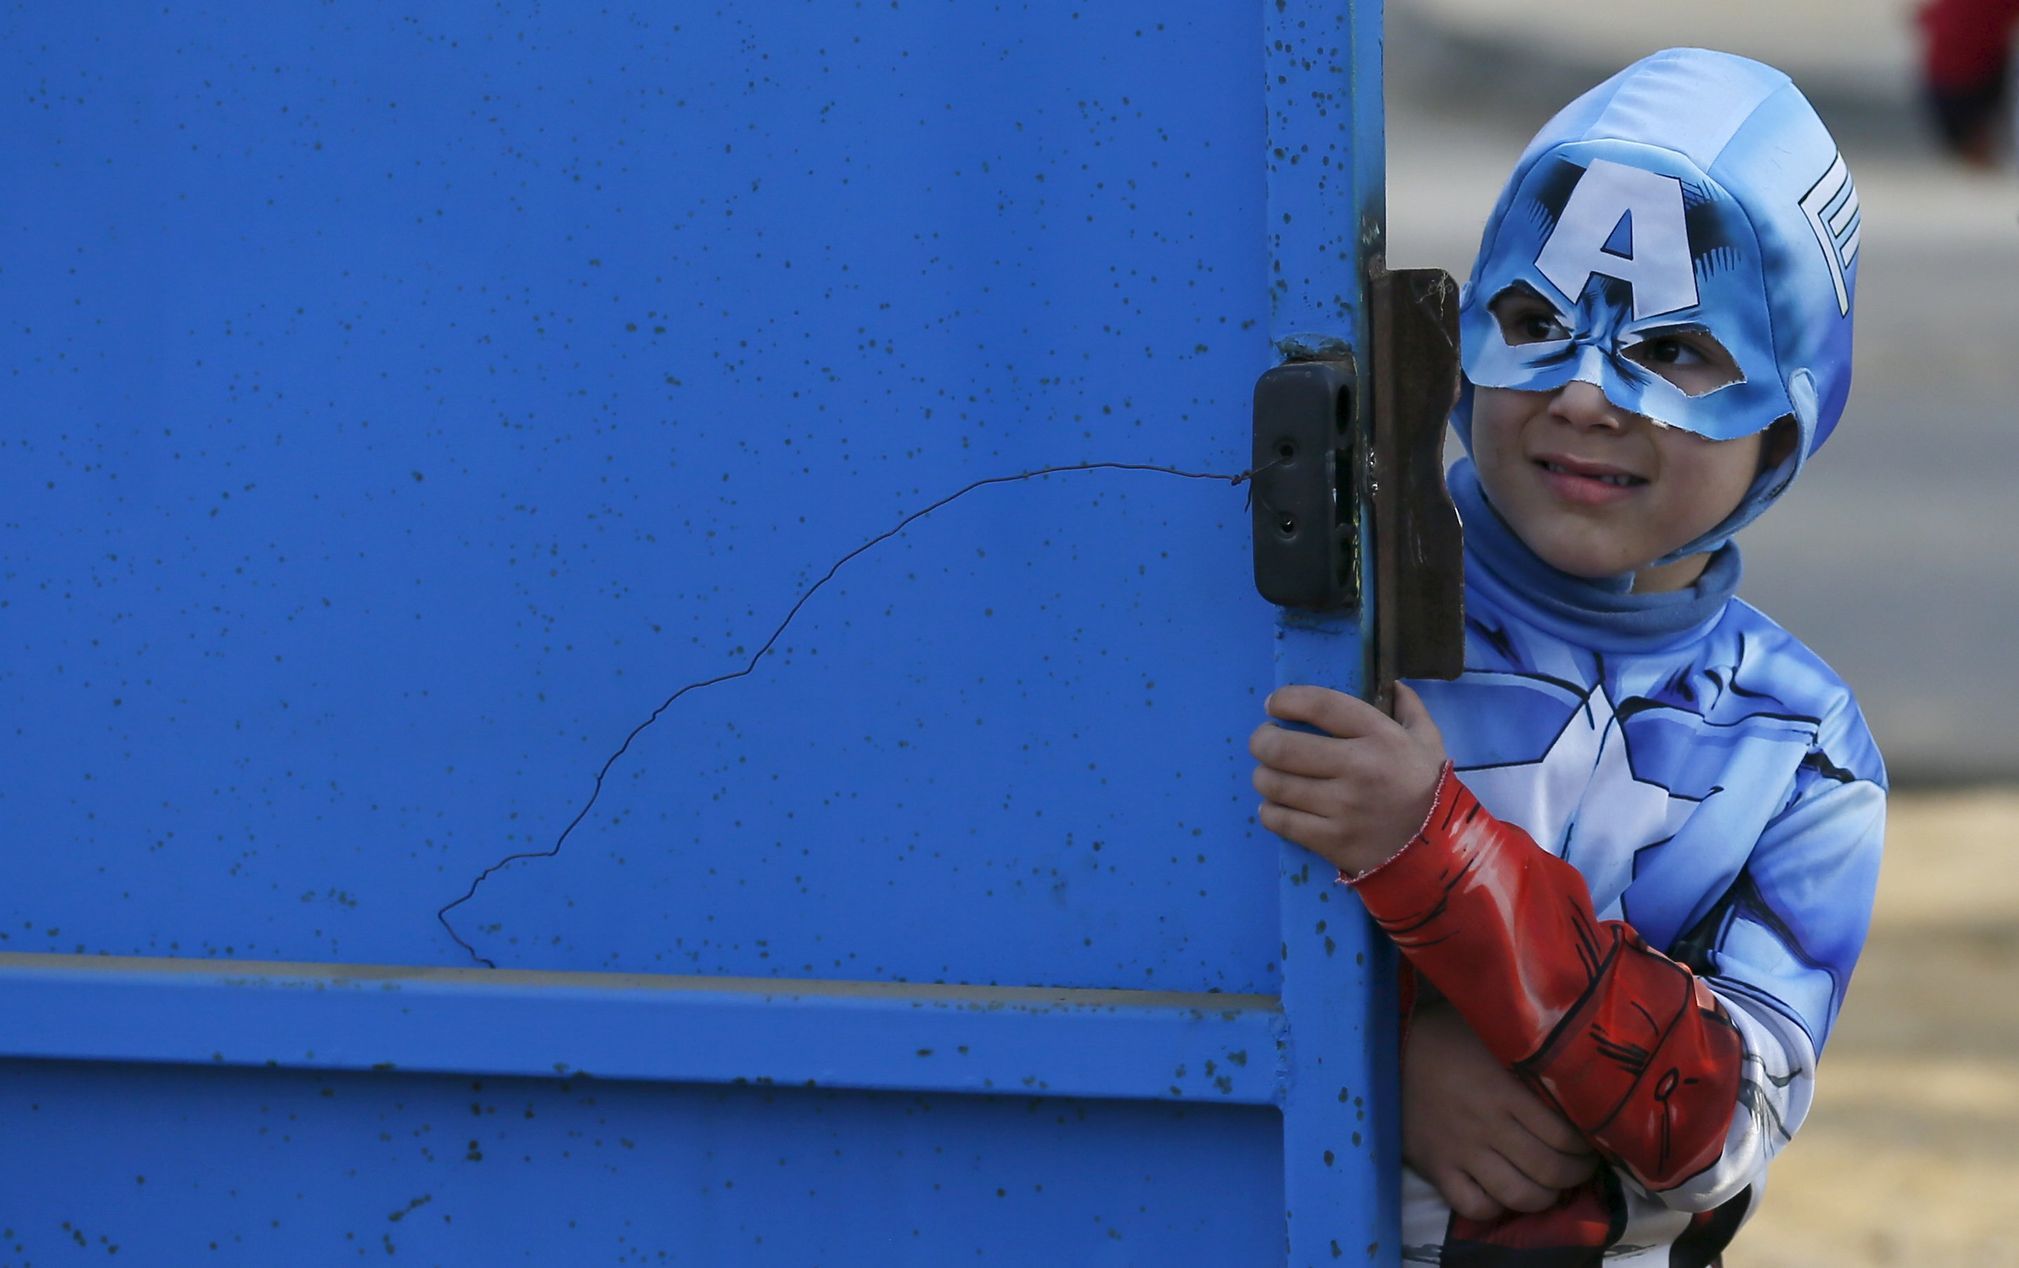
(1629, 856)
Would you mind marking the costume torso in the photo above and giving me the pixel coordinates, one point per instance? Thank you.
(1717, 789)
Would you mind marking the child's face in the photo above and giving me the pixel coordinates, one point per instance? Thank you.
(1596, 491)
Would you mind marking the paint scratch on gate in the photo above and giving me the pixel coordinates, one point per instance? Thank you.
(750, 666)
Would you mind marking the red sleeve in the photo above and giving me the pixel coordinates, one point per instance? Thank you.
(1632, 1047)
(1967, 42)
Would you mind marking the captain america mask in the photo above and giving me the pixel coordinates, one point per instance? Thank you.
(1652, 278)
(1694, 193)
(1685, 237)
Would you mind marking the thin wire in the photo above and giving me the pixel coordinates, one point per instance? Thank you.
(442, 913)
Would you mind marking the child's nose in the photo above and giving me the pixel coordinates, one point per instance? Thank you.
(1583, 404)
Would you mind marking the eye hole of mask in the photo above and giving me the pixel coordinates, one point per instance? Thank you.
(1687, 355)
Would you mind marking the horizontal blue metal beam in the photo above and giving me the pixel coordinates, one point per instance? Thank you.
(874, 1035)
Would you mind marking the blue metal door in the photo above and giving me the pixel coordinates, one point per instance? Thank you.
(627, 636)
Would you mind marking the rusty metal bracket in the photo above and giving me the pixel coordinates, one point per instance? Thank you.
(1346, 509)
(1417, 551)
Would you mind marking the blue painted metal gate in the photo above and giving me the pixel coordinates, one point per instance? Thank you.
(725, 515)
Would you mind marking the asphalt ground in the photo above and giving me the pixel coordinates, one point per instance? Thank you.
(1908, 1158)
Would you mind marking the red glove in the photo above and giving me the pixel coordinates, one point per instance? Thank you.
(1630, 1046)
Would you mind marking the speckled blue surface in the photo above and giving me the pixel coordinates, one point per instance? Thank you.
(401, 404)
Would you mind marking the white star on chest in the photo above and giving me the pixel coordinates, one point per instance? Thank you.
(1582, 802)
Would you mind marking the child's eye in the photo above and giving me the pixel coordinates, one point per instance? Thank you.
(1539, 328)
(1526, 319)
(1654, 352)
(1690, 359)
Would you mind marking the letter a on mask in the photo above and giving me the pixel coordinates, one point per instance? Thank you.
(1625, 223)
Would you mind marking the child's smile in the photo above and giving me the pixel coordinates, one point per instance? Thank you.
(1591, 483)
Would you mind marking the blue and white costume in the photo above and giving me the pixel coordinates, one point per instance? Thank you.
(1715, 787)
(1650, 869)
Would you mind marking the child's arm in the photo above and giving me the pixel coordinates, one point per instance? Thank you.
(1688, 1088)
(1632, 1047)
